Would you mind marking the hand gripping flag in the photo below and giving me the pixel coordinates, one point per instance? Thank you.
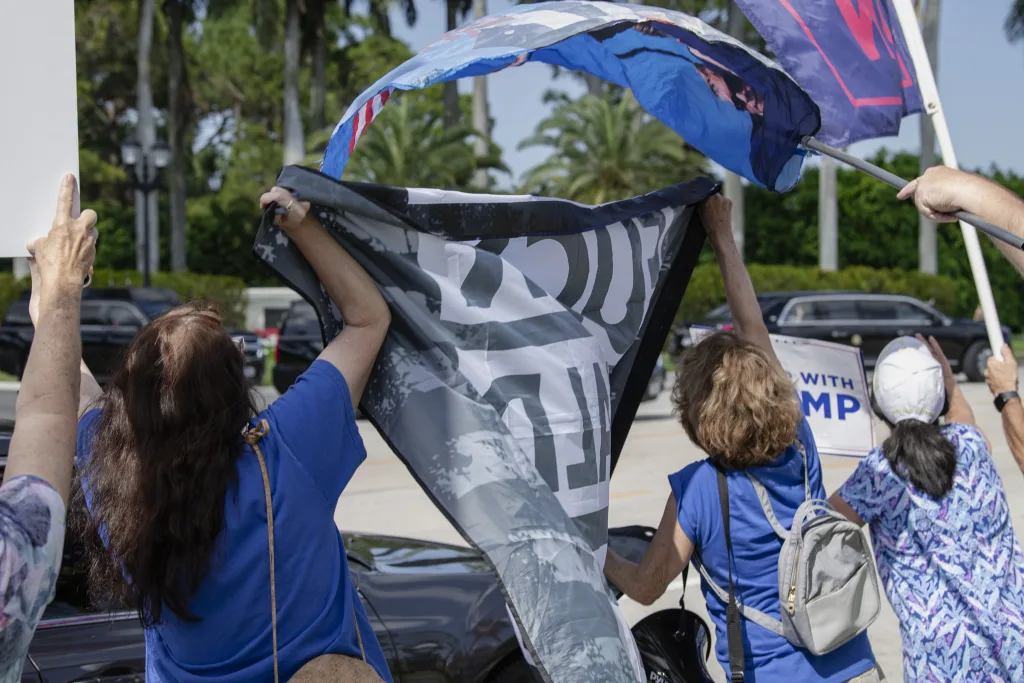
(524, 332)
(849, 55)
(729, 102)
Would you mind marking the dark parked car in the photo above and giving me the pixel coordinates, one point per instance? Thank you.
(299, 343)
(436, 609)
(110, 319)
(868, 321)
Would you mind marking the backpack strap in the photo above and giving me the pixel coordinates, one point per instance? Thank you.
(766, 503)
(732, 610)
(252, 437)
(729, 597)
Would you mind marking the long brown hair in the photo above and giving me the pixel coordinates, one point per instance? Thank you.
(734, 403)
(163, 456)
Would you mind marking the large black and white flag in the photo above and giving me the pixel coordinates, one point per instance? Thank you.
(524, 332)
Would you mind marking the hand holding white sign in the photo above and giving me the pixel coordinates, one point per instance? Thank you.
(39, 124)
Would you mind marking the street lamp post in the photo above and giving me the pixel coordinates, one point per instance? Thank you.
(144, 169)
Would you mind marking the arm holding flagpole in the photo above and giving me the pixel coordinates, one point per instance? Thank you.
(943, 192)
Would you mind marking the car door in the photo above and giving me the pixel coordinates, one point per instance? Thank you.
(825, 318)
(123, 322)
(886, 318)
(94, 342)
(90, 648)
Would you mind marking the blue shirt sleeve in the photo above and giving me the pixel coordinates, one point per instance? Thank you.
(86, 432)
(692, 503)
(316, 422)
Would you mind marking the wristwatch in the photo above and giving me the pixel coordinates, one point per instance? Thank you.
(1004, 398)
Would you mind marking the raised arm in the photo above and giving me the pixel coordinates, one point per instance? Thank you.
(363, 309)
(748, 323)
(942, 191)
(1001, 375)
(46, 414)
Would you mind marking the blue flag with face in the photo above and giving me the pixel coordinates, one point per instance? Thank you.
(729, 102)
(850, 56)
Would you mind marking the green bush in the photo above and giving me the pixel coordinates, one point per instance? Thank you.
(705, 290)
(10, 290)
(225, 292)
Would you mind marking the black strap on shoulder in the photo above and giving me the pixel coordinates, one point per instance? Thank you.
(732, 610)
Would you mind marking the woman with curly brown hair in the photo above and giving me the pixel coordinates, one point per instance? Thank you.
(737, 404)
(184, 502)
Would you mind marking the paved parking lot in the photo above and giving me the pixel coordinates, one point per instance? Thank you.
(384, 498)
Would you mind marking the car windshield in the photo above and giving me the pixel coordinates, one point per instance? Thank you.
(722, 314)
(301, 321)
(154, 309)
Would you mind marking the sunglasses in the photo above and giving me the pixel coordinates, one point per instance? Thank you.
(240, 343)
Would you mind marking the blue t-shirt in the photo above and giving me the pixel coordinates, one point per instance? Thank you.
(312, 451)
(770, 658)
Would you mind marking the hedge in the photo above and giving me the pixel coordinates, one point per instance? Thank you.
(705, 290)
(227, 293)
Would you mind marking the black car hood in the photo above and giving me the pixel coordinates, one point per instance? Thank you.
(396, 555)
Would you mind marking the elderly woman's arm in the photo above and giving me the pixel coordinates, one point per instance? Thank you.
(748, 322)
(668, 553)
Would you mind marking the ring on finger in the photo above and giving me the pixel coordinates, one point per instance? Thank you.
(288, 206)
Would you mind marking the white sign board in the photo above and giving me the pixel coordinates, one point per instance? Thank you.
(39, 119)
(832, 388)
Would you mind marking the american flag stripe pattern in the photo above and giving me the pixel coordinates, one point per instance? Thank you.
(366, 116)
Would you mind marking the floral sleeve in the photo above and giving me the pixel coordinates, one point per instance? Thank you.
(865, 490)
(31, 546)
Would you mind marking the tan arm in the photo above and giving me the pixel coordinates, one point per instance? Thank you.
(747, 319)
(669, 552)
(46, 424)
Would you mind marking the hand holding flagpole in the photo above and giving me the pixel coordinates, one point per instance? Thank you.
(993, 231)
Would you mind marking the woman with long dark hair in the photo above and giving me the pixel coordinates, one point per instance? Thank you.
(180, 474)
(940, 524)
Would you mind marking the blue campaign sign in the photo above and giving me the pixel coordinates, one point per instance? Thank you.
(729, 102)
(849, 55)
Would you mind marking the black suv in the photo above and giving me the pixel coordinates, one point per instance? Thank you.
(110, 318)
(868, 321)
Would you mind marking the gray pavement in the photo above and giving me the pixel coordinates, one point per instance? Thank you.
(384, 498)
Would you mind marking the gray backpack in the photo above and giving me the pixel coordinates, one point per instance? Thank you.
(828, 588)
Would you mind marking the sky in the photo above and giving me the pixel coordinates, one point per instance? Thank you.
(983, 111)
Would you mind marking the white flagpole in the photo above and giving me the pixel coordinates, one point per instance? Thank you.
(933, 108)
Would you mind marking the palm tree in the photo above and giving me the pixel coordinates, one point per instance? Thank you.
(147, 137)
(606, 149)
(1015, 22)
(452, 112)
(293, 136)
(409, 145)
(179, 114)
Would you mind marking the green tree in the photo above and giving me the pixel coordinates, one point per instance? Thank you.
(1015, 21)
(606, 149)
(874, 230)
(179, 13)
(409, 145)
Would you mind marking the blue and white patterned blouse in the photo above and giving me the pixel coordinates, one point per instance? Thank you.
(31, 547)
(952, 568)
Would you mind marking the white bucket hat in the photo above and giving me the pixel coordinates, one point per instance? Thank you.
(908, 382)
